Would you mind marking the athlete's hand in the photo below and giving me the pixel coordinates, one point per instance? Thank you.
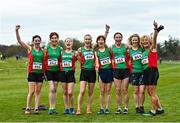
(17, 27)
(96, 67)
(107, 28)
(155, 24)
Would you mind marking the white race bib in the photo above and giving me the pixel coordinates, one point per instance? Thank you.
(137, 56)
(37, 66)
(88, 55)
(144, 61)
(105, 61)
(52, 62)
(66, 64)
(119, 59)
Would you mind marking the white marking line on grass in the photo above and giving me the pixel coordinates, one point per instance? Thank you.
(12, 68)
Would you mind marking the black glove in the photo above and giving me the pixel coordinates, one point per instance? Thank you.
(161, 27)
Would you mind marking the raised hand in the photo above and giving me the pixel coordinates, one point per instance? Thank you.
(17, 27)
(161, 27)
(155, 24)
(107, 28)
(22, 43)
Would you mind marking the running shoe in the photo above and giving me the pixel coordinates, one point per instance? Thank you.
(101, 111)
(159, 111)
(125, 111)
(106, 111)
(27, 111)
(71, 111)
(66, 111)
(119, 111)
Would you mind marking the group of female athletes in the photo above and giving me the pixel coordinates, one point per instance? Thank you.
(120, 63)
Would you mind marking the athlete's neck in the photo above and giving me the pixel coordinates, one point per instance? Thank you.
(118, 44)
(53, 46)
(87, 47)
(145, 48)
(135, 47)
(37, 48)
(102, 49)
(68, 50)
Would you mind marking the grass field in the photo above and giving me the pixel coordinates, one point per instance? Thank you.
(13, 92)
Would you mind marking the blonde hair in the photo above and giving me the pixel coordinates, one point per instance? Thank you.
(142, 40)
(134, 35)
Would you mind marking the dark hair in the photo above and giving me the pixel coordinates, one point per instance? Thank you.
(90, 37)
(36, 36)
(96, 47)
(100, 36)
(118, 33)
(53, 33)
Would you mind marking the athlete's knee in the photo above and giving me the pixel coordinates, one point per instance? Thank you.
(38, 92)
(141, 92)
(125, 91)
(65, 93)
(70, 94)
(82, 92)
(31, 93)
(53, 90)
(90, 93)
(102, 92)
(108, 93)
(136, 92)
(118, 92)
(150, 92)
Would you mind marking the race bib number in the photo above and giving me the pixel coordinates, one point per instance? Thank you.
(52, 62)
(145, 61)
(105, 61)
(119, 60)
(137, 56)
(37, 66)
(88, 55)
(66, 64)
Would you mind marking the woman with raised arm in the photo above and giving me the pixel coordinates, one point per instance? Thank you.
(35, 69)
(67, 70)
(135, 52)
(104, 67)
(52, 61)
(88, 73)
(120, 53)
(150, 69)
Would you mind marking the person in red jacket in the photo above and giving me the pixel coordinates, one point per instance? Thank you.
(150, 68)
(35, 69)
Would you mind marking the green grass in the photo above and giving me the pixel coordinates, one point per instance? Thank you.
(13, 92)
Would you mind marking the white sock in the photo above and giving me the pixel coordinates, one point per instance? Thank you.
(153, 111)
(159, 109)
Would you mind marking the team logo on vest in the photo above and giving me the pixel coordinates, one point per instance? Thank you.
(88, 55)
(67, 56)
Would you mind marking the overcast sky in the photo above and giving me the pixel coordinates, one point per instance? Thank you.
(75, 18)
